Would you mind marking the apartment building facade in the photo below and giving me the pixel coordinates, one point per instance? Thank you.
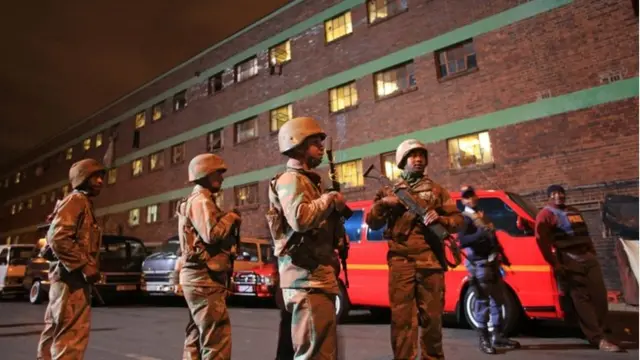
(508, 94)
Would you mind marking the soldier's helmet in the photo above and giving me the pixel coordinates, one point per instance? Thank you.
(405, 148)
(204, 164)
(82, 170)
(295, 131)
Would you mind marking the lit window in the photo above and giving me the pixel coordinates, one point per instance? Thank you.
(65, 190)
(134, 217)
(112, 176)
(8, 240)
(156, 111)
(177, 153)
(390, 167)
(214, 140)
(215, 83)
(456, 59)
(180, 100)
(152, 214)
(246, 130)
(280, 116)
(343, 97)
(338, 27)
(246, 69)
(396, 80)
(29, 204)
(98, 140)
(350, 174)
(219, 199)
(86, 145)
(140, 119)
(20, 206)
(43, 199)
(137, 167)
(280, 53)
(13, 209)
(52, 197)
(380, 9)
(18, 177)
(173, 207)
(156, 160)
(69, 154)
(470, 150)
(246, 195)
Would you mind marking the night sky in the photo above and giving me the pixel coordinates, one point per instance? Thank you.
(63, 60)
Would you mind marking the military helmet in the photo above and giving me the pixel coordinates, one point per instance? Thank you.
(82, 170)
(295, 131)
(405, 148)
(204, 164)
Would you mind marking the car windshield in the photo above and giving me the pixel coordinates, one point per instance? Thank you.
(248, 252)
(525, 204)
(122, 249)
(265, 251)
(171, 247)
(20, 255)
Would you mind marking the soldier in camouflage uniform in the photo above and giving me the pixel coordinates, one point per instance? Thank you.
(73, 242)
(192, 336)
(416, 271)
(206, 243)
(304, 240)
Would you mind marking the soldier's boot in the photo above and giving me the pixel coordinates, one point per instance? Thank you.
(608, 346)
(485, 342)
(500, 341)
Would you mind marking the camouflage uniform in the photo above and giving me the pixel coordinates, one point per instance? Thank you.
(304, 244)
(416, 276)
(191, 349)
(205, 243)
(73, 242)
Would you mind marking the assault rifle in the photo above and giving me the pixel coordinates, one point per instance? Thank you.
(439, 231)
(346, 212)
(235, 234)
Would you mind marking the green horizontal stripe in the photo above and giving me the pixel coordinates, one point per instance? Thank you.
(491, 23)
(579, 100)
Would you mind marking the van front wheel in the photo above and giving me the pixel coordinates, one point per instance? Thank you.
(36, 294)
(511, 311)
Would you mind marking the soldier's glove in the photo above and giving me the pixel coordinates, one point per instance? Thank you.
(234, 217)
(91, 274)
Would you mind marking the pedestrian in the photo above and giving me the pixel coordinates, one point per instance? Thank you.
(206, 242)
(416, 271)
(304, 239)
(72, 247)
(485, 257)
(563, 228)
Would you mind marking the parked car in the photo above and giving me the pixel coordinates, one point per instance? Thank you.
(121, 260)
(13, 266)
(158, 270)
(254, 271)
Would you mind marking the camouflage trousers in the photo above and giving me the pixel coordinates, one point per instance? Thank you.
(412, 290)
(67, 320)
(191, 341)
(208, 310)
(313, 323)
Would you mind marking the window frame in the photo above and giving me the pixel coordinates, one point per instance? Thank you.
(352, 86)
(209, 142)
(348, 26)
(236, 132)
(160, 160)
(140, 120)
(398, 7)
(359, 167)
(457, 164)
(182, 155)
(273, 58)
(405, 74)
(288, 108)
(238, 188)
(133, 170)
(237, 74)
(456, 47)
(180, 101)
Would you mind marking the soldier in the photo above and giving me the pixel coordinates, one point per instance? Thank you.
(206, 242)
(416, 271)
(284, 350)
(304, 240)
(191, 349)
(73, 242)
(562, 227)
(484, 258)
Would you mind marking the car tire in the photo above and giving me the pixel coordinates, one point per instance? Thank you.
(342, 304)
(511, 311)
(36, 294)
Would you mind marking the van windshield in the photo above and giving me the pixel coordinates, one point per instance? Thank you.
(20, 255)
(525, 204)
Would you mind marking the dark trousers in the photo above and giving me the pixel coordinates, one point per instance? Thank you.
(490, 290)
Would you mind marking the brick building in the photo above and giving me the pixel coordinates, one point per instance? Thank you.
(508, 94)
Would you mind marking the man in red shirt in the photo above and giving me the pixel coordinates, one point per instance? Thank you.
(563, 228)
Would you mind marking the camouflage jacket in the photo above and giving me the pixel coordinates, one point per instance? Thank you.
(305, 246)
(407, 239)
(74, 237)
(205, 241)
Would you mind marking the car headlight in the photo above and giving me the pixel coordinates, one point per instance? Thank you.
(265, 279)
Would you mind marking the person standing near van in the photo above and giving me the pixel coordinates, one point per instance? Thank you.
(206, 242)
(484, 259)
(304, 238)
(563, 228)
(416, 274)
(72, 248)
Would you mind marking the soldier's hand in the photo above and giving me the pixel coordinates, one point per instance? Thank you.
(91, 274)
(390, 201)
(431, 217)
(338, 200)
(234, 217)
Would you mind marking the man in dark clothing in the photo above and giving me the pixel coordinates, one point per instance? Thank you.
(563, 228)
(477, 236)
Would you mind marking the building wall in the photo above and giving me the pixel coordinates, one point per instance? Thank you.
(552, 90)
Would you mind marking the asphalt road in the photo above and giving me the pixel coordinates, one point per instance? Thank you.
(156, 331)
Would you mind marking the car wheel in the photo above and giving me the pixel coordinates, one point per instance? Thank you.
(36, 295)
(511, 311)
(342, 303)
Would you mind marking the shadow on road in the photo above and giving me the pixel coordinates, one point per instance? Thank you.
(38, 332)
(20, 324)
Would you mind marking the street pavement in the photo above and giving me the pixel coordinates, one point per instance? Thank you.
(155, 331)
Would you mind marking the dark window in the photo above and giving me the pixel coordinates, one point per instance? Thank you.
(456, 59)
(502, 215)
(180, 100)
(353, 226)
(215, 83)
